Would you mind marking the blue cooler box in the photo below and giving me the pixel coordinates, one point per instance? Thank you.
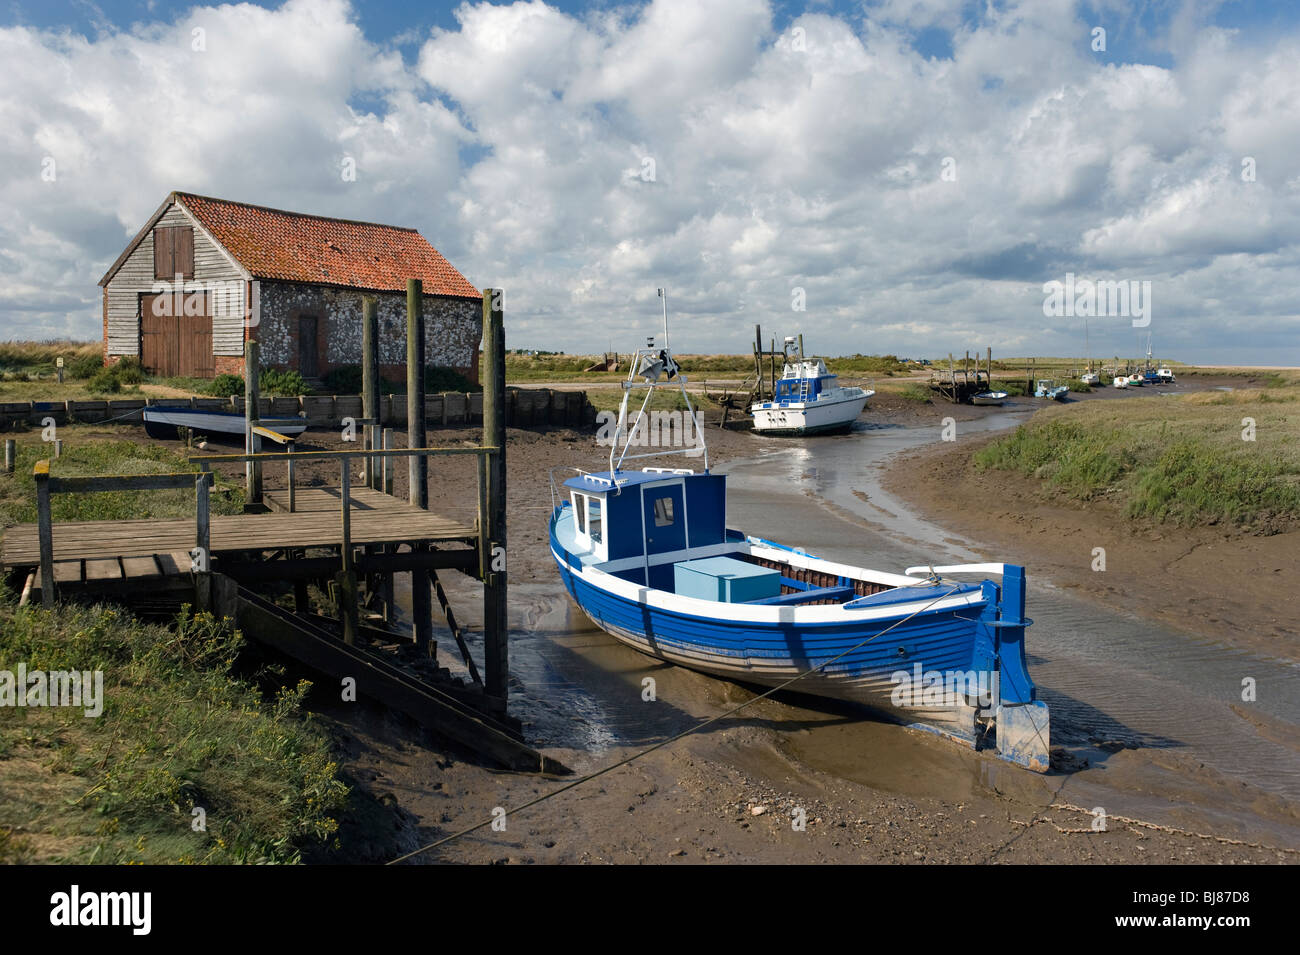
(726, 579)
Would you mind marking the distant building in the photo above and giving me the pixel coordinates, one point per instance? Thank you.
(205, 275)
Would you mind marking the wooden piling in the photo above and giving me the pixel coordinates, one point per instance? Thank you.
(417, 437)
(370, 381)
(58, 448)
(496, 634)
(45, 531)
(347, 577)
(252, 469)
(387, 462)
(202, 520)
(11, 455)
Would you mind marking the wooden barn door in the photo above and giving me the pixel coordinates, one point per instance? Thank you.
(177, 344)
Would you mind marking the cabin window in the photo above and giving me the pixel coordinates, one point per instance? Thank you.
(593, 518)
(580, 510)
(173, 252)
(663, 511)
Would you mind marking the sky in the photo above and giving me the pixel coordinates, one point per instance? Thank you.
(889, 176)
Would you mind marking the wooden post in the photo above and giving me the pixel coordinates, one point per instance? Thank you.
(45, 530)
(417, 437)
(801, 346)
(493, 534)
(387, 486)
(773, 368)
(370, 380)
(758, 360)
(58, 448)
(293, 484)
(253, 469)
(347, 578)
(11, 453)
(202, 521)
(990, 367)
(416, 433)
(952, 378)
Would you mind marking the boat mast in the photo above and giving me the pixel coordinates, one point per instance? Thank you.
(650, 365)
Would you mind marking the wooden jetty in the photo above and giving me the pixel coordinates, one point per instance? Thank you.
(351, 540)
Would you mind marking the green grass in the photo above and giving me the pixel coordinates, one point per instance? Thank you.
(1182, 461)
(98, 456)
(915, 392)
(178, 731)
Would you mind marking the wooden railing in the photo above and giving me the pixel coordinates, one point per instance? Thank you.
(47, 486)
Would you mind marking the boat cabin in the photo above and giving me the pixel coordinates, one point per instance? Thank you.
(640, 524)
(803, 381)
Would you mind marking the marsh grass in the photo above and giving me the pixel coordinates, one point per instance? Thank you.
(85, 455)
(1183, 461)
(178, 731)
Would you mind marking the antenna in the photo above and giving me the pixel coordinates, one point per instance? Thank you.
(663, 295)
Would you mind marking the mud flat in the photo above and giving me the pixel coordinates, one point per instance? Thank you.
(869, 791)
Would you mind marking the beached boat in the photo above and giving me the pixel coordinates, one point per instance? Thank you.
(1090, 378)
(648, 556)
(808, 400)
(163, 421)
(1047, 388)
(989, 398)
(1121, 381)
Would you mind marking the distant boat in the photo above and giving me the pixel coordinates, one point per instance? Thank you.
(1090, 378)
(1047, 388)
(808, 400)
(1121, 381)
(1166, 376)
(989, 398)
(162, 421)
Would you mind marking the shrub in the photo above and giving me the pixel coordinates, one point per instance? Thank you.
(446, 379)
(105, 381)
(275, 382)
(344, 380)
(224, 386)
(84, 366)
(129, 370)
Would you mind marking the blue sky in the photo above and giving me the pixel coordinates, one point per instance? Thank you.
(918, 168)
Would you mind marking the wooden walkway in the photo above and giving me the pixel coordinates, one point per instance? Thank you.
(376, 519)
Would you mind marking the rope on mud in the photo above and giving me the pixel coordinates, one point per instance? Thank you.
(672, 739)
(1070, 807)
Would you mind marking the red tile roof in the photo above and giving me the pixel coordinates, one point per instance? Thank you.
(294, 247)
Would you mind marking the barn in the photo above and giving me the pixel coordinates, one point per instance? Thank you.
(206, 275)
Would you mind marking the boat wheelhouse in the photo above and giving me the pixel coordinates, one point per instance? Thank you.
(808, 399)
(648, 556)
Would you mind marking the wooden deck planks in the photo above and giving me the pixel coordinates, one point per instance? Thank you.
(378, 518)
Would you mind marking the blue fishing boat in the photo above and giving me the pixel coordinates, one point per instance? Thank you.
(648, 556)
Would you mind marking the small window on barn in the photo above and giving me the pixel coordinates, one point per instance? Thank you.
(173, 252)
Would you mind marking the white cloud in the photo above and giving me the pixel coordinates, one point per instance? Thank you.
(522, 144)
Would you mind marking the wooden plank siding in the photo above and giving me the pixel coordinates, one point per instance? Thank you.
(136, 277)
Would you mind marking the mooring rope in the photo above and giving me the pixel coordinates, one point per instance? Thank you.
(1070, 807)
(672, 739)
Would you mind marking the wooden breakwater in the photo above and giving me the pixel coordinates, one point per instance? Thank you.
(524, 408)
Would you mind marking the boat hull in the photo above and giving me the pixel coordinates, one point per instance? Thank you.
(162, 423)
(805, 418)
(888, 663)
